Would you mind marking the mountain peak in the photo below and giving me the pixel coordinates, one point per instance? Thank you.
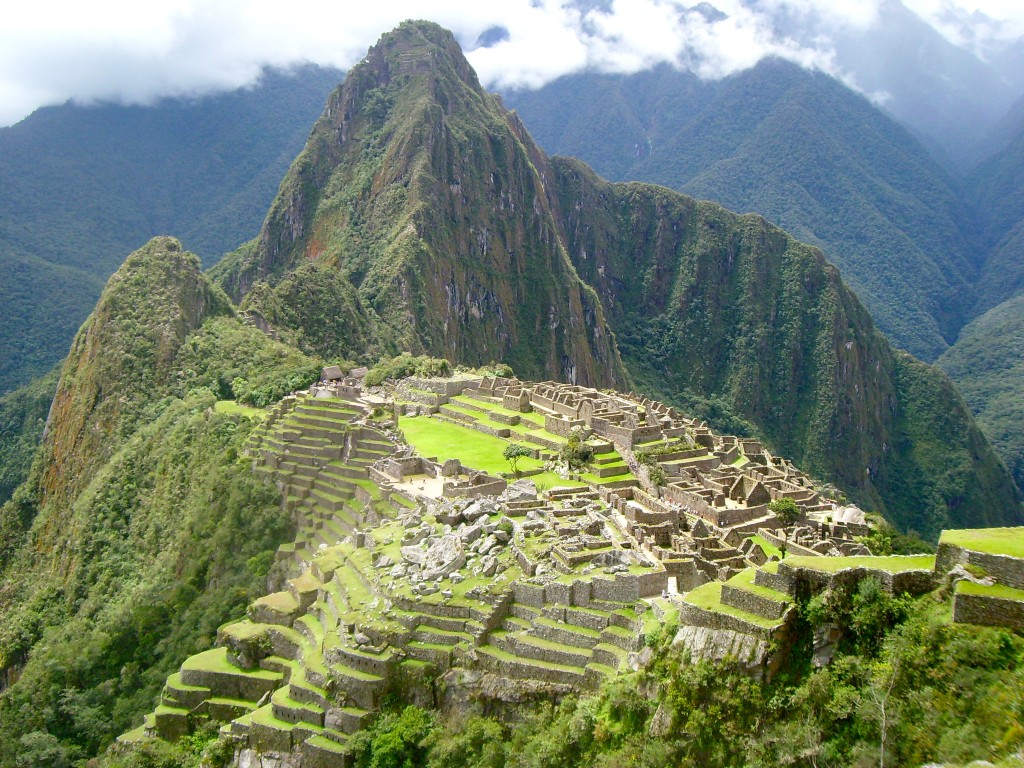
(427, 196)
(415, 48)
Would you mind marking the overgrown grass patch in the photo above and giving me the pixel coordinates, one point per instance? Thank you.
(893, 564)
(233, 408)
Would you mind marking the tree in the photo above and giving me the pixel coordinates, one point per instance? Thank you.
(513, 453)
(786, 510)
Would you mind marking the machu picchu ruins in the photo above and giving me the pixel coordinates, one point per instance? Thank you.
(425, 567)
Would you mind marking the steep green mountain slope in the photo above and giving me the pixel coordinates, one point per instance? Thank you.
(711, 307)
(428, 198)
(22, 418)
(82, 186)
(802, 150)
(138, 531)
(987, 362)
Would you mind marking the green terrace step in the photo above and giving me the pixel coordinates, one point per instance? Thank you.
(171, 723)
(376, 664)
(610, 655)
(566, 634)
(501, 662)
(359, 688)
(626, 639)
(189, 696)
(289, 710)
(514, 624)
(211, 669)
(427, 634)
(438, 655)
(321, 750)
(354, 719)
(224, 709)
(532, 647)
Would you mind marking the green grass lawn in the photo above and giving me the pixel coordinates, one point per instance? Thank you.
(992, 541)
(477, 450)
(994, 590)
(709, 597)
(766, 546)
(894, 564)
(232, 408)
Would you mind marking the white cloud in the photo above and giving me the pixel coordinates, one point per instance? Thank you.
(136, 52)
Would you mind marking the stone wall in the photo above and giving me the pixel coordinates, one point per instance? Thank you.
(561, 427)
(449, 387)
(490, 487)
(1004, 569)
(988, 611)
(751, 602)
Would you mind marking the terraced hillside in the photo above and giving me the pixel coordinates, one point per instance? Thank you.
(415, 574)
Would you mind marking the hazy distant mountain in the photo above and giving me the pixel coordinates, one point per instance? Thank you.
(941, 91)
(998, 186)
(987, 364)
(82, 186)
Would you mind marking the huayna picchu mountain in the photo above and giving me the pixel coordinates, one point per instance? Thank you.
(422, 217)
(430, 199)
(444, 229)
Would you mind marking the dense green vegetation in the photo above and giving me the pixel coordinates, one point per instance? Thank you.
(22, 418)
(171, 539)
(111, 574)
(987, 363)
(85, 185)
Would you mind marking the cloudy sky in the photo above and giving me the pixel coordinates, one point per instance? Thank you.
(135, 51)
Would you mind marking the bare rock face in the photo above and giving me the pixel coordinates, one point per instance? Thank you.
(447, 554)
(250, 758)
(718, 644)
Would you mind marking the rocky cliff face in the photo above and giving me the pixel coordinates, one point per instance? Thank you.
(430, 199)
